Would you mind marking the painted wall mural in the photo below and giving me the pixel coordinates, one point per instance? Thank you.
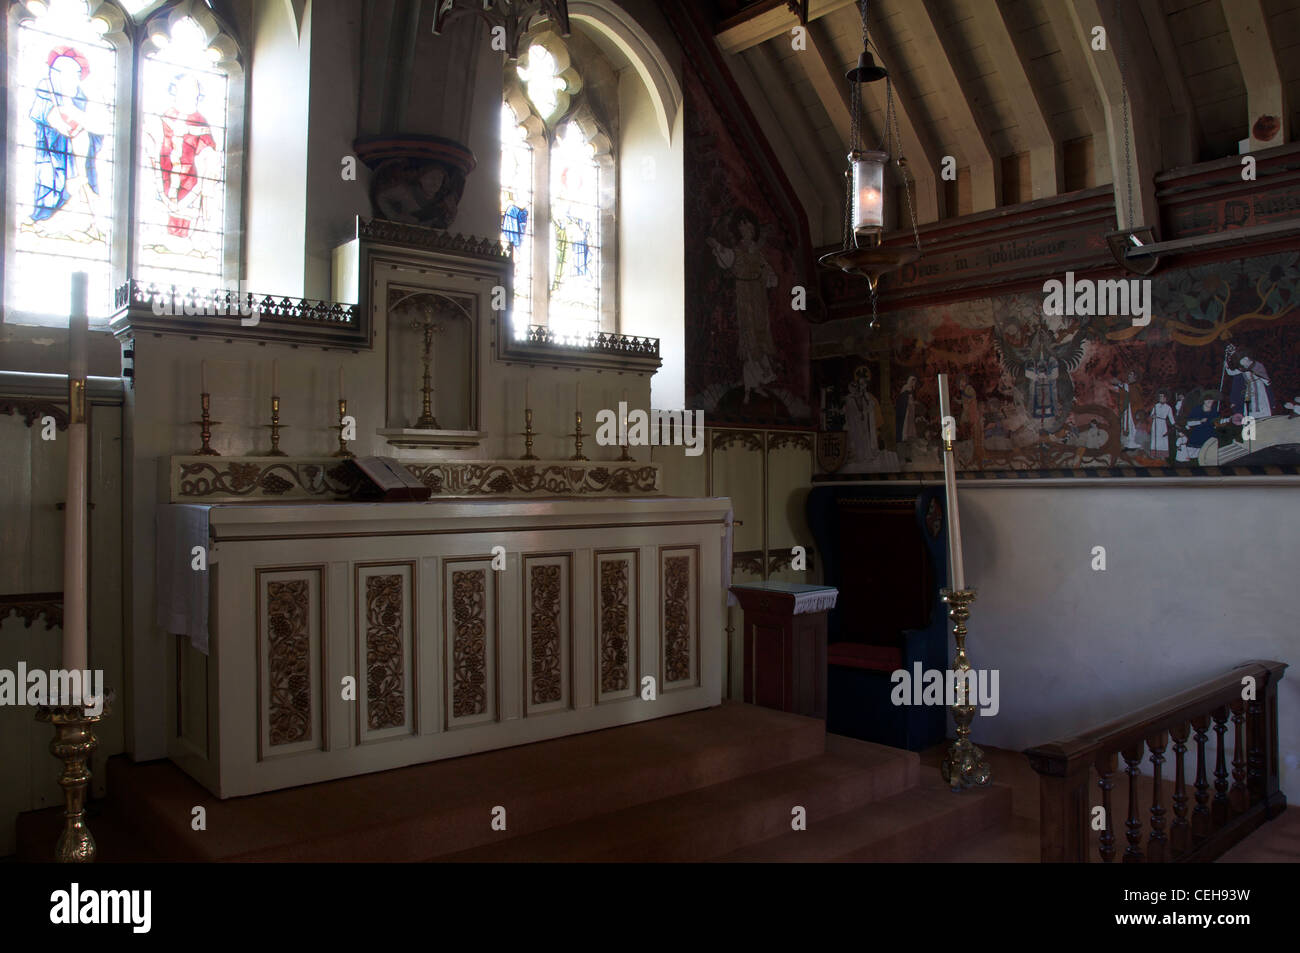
(746, 347)
(1036, 391)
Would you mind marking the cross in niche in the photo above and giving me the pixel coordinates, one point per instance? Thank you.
(429, 324)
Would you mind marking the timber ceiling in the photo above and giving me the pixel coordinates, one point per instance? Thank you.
(1014, 92)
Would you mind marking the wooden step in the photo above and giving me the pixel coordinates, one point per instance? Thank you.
(446, 806)
(720, 818)
(924, 819)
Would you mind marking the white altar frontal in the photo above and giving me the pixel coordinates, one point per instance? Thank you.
(344, 638)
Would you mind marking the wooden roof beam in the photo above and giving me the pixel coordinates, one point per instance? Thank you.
(1266, 103)
(1182, 143)
(1136, 174)
(1046, 166)
(975, 144)
(786, 126)
(767, 21)
(1083, 87)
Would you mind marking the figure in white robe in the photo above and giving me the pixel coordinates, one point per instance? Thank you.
(1128, 400)
(1162, 419)
(862, 417)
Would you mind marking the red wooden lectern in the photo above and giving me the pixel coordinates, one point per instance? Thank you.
(785, 645)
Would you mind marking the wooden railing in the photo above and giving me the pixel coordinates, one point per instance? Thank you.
(1065, 770)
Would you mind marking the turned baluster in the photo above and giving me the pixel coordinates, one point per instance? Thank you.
(1106, 781)
(1158, 839)
(1255, 750)
(1179, 834)
(1133, 825)
(1237, 796)
(1219, 810)
(1201, 813)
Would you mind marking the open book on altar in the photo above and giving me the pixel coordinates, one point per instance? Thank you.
(386, 479)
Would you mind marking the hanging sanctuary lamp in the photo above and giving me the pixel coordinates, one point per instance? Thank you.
(863, 252)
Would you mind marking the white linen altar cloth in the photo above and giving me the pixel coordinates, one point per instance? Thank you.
(182, 591)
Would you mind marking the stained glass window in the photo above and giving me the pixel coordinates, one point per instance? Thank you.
(551, 191)
(542, 80)
(64, 80)
(182, 175)
(575, 235)
(516, 212)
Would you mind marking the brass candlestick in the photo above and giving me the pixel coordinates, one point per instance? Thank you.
(74, 742)
(625, 456)
(343, 450)
(276, 427)
(205, 429)
(527, 434)
(965, 765)
(577, 437)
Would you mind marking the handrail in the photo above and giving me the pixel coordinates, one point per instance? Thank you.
(1065, 768)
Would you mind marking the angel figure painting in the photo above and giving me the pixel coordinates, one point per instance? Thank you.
(744, 261)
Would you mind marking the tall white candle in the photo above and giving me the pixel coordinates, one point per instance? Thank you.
(340, 382)
(203, 377)
(579, 396)
(957, 572)
(74, 512)
(275, 378)
(528, 397)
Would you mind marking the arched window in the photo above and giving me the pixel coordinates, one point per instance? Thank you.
(181, 189)
(62, 176)
(76, 83)
(557, 189)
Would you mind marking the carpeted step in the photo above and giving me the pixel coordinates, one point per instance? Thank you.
(714, 820)
(925, 819)
(423, 811)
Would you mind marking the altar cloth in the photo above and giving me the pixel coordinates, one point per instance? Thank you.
(182, 591)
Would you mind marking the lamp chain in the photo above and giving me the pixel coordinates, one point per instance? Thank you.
(1128, 163)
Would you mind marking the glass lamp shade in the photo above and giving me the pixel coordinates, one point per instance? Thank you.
(868, 192)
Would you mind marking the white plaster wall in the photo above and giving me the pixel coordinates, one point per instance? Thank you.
(335, 71)
(651, 236)
(276, 207)
(1199, 578)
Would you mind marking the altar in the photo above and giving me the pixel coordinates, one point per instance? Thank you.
(344, 638)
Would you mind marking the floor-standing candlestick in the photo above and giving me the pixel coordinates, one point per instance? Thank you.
(965, 765)
(74, 740)
(948, 431)
(75, 562)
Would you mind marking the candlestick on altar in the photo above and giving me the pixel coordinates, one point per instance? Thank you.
(577, 435)
(528, 433)
(275, 427)
(205, 425)
(343, 450)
